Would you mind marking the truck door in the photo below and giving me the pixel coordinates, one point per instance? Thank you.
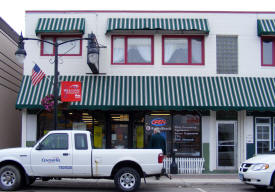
(82, 155)
(52, 157)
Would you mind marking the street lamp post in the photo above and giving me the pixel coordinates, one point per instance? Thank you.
(93, 52)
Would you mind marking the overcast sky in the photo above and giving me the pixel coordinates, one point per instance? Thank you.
(13, 11)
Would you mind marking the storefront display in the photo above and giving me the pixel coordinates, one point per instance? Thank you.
(132, 130)
(187, 131)
(161, 121)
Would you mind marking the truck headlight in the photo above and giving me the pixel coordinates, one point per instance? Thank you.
(260, 166)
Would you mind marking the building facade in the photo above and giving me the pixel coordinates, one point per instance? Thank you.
(206, 79)
(10, 79)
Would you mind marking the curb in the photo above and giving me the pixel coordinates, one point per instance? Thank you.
(185, 182)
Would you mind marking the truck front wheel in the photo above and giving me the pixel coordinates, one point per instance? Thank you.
(127, 179)
(10, 178)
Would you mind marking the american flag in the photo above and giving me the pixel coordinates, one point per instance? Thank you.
(37, 75)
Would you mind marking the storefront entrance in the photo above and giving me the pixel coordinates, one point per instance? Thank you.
(119, 131)
(226, 144)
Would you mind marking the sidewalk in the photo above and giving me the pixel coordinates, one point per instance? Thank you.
(197, 179)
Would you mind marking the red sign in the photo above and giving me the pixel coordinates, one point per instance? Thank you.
(158, 122)
(70, 91)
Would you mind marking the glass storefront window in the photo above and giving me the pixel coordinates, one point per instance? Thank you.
(132, 130)
(99, 130)
(187, 135)
(119, 136)
(95, 122)
(120, 117)
(161, 121)
(119, 131)
(138, 131)
(46, 124)
(263, 134)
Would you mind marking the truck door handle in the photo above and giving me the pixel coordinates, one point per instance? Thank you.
(65, 154)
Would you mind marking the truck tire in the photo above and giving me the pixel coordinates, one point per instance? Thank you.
(10, 178)
(127, 179)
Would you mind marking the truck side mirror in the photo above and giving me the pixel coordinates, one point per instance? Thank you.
(40, 146)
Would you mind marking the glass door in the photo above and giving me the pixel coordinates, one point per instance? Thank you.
(119, 131)
(226, 146)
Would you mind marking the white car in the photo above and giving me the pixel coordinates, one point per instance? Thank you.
(69, 154)
(259, 171)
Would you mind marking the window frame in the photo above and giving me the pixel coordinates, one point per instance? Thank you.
(273, 51)
(269, 124)
(126, 37)
(55, 37)
(189, 39)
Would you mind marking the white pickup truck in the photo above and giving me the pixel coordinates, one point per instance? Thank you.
(69, 154)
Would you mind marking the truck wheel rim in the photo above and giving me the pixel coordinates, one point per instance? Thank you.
(8, 178)
(127, 180)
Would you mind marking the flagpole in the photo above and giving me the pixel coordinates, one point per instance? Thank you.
(55, 85)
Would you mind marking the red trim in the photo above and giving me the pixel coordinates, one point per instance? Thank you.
(189, 38)
(126, 37)
(54, 40)
(144, 11)
(273, 52)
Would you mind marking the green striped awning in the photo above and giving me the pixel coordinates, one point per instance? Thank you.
(60, 25)
(169, 24)
(159, 92)
(266, 27)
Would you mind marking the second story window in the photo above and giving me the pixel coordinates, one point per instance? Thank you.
(73, 48)
(183, 50)
(227, 54)
(268, 53)
(132, 50)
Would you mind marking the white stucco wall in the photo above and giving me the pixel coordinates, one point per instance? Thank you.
(31, 127)
(213, 141)
(242, 25)
(205, 123)
(248, 132)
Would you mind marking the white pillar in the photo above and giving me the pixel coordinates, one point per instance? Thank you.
(31, 133)
(24, 128)
(241, 146)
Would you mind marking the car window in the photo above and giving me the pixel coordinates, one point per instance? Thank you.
(80, 141)
(57, 141)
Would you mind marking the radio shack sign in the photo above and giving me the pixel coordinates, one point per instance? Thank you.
(70, 91)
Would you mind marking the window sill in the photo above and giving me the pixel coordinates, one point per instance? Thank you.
(193, 64)
(132, 63)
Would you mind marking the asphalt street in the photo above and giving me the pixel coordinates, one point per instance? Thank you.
(149, 187)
